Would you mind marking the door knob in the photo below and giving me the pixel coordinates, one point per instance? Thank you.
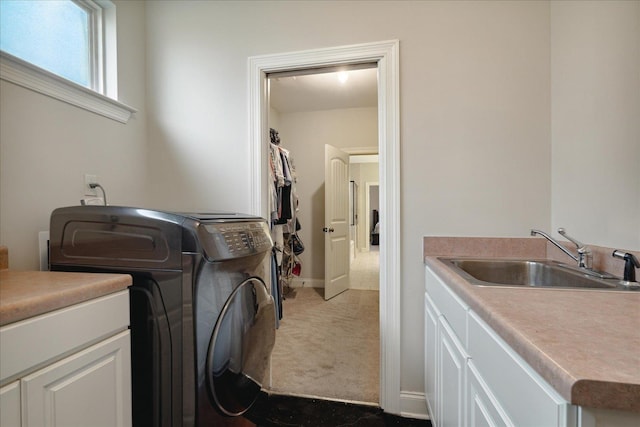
(328, 230)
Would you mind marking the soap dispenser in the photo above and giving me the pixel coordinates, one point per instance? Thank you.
(630, 264)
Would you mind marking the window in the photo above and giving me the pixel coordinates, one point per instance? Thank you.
(54, 35)
(65, 49)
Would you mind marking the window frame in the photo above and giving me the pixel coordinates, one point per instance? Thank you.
(102, 97)
(96, 51)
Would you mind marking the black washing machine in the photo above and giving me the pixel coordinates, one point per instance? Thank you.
(202, 313)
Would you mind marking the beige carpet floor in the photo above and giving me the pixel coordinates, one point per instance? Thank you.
(329, 348)
(365, 270)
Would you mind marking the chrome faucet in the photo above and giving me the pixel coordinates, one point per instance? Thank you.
(584, 256)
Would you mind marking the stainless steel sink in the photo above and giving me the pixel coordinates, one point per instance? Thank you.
(532, 273)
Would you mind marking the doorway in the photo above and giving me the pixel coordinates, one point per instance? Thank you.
(365, 257)
(385, 54)
(331, 349)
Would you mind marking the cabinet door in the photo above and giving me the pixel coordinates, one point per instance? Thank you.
(10, 405)
(451, 385)
(430, 357)
(526, 398)
(482, 408)
(89, 388)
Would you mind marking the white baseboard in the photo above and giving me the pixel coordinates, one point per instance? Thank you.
(301, 282)
(364, 287)
(413, 405)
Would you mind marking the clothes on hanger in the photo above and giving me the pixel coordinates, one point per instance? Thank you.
(283, 211)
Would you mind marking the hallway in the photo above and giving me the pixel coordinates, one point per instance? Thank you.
(365, 270)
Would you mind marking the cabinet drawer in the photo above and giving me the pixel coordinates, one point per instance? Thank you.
(527, 398)
(448, 303)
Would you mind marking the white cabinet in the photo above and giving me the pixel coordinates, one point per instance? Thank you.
(445, 355)
(69, 367)
(482, 408)
(479, 380)
(10, 405)
(89, 388)
(523, 394)
(431, 356)
(452, 360)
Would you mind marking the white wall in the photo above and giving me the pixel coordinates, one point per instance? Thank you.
(46, 147)
(474, 103)
(595, 105)
(274, 118)
(304, 134)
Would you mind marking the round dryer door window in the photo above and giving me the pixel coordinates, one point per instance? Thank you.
(240, 347)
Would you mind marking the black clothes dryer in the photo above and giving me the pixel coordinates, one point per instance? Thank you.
(202, 315)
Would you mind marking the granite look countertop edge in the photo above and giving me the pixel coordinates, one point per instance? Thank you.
(25, 294)
(603, 388)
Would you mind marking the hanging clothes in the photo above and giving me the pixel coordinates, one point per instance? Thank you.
(283, 211)
(283, 195)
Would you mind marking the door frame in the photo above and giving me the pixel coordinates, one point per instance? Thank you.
(386, 55)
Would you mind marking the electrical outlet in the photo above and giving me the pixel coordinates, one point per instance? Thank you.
(90, 179)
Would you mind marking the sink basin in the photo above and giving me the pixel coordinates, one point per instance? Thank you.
(532, 273)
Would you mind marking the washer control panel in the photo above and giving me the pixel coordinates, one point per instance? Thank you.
(236, 239)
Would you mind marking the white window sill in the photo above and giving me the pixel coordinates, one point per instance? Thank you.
(24, 74)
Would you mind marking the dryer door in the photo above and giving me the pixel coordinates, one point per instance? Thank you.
(240, 347)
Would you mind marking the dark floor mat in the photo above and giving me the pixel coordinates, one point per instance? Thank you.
(289, 411)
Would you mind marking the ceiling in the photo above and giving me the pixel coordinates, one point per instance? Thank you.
(324, 91)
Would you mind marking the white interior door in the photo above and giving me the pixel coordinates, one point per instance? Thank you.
(336, 221)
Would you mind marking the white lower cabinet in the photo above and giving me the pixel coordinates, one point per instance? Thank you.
(431, 356)
(10, 405)
(482, 407)
(89, 388)
(473, 378)
(524, 395)
(445, 356)
(591, 417)
(70, 367)
(452, 360)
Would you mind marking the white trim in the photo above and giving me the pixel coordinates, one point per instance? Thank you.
(96, 51)
(413, 405)
(361, 151)
(313, 396)
(22, 73)
(386, 54)
(302, 282)
(43, 250)
(109, 46)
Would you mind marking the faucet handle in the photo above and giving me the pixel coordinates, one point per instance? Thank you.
(580, 246)
(584, 254)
